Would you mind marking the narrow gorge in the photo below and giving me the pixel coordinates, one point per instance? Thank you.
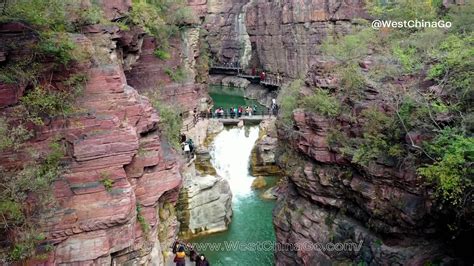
(251, 132)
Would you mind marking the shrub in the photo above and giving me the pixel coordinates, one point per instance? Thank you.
(288, 99)
(379, 139)
(161, 54)
(57, 45)
(34, 179)
(352, 80)
(19, 72)
(462, 18)
(375, 121)
(404, 9)
(370, 148)
(144, 225)
(108, 183)
(336, 138)
(12, 136)
(44, 13)
(349, 48)
(89, 16)
(160, 18)
(41, 103)
(170, 120)
(407, 57)
(322, 103)
(451, 171)
(454, 66)
(177, 75)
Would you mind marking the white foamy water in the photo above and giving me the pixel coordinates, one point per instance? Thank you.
(230, 155)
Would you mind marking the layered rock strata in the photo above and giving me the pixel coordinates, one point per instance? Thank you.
(115, 136)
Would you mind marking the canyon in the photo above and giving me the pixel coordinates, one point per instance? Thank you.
(157, 195)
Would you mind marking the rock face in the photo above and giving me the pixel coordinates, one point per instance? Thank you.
(116, 136)
(281, 36)
(383, 209)
(204, 204)
(114, 9)
(150, 73)
(329, 236)
(235, 82)
(285, 34)
(263, 158)
(224, 23)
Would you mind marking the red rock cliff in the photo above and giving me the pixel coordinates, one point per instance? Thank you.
(115, 135)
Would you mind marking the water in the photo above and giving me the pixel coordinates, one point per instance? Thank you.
(227, 97)
(252, 218)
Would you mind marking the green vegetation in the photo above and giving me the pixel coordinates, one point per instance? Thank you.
(162, 19)
(46, 70)
(288, 99)
(421, 81)
(106, 181)
(144, 225)
(352, 80)
(404, 9)
(454, 154)
(12, 136)
(177, 75)
(321, 102)
(163, 55)
(40, 103)
(34, 180)
(170, 120)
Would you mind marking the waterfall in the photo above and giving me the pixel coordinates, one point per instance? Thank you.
(252, 216)
(231, 156)
(243, 37)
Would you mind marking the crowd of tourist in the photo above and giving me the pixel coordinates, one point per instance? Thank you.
(239, 111)
(234, 112)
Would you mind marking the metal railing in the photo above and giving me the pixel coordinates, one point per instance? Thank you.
(227, 66)
(271, 81)
(229, 115)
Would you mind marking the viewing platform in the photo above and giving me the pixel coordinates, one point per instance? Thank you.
(252, 79)
(247, 120)
(232, 119)
(234, 69)
(226, 69)
(271, 82)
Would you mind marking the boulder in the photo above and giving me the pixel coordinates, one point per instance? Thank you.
(204, 205)
(259, 182)
(235, 82)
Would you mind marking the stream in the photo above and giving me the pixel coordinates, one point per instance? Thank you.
(252, 217)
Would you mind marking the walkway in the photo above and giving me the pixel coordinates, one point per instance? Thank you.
(234, 69)
(255, 119)
(271, 82)
(229, 119)
(226, 69)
